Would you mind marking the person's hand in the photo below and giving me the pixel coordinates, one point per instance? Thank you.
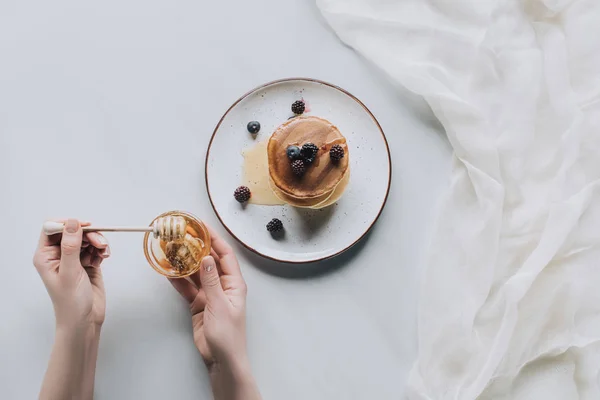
(216, 295)
(69, 265)
(217, 298)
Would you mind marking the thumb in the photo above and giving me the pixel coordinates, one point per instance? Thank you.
(70, 245)
(209, 277)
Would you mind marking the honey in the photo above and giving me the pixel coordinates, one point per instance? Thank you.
(182, 257)
(256, 176)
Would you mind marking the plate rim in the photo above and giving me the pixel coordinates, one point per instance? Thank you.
(333, 86)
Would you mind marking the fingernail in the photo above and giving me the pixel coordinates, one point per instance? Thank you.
(102, 239)
(208, 267)
(72, 225)
(106, 252)
(208, 263)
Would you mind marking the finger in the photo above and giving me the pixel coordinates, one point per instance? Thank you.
(64, 220)
(53, 240)
(47, 259)
(211, 283)
(99, 242)
(104, 253)
(214, 255)
(96, 261)
(199, 303)
(195, 277)
(86, 259)
(70, 246)
(53, 253)
(227, 260)
(230, 265)
(96, 239)
(91, 258)
(46, 247)
(185, 288)
(218, 244)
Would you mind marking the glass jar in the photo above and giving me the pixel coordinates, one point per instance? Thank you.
(178, 259)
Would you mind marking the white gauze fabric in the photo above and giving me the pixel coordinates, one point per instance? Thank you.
(510, 302)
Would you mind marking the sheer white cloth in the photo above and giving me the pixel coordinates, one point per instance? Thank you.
(510, 302)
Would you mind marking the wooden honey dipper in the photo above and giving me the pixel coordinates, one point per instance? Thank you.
(169, 228)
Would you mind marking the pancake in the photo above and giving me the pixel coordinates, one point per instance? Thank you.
(317, 202)
(337, 192)
(322, 177)
(298, 202)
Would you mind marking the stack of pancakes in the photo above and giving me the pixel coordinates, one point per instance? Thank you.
(325, 180)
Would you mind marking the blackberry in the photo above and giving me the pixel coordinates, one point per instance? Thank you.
(309, 152)
(275, 225)
(253, 127)
(293, 152)
(298, 167)
(298, 107)
(336, 153)
(242, 194)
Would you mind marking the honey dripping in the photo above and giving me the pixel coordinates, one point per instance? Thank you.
(184, 254)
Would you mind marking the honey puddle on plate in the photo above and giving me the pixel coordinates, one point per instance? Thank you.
(256, 176)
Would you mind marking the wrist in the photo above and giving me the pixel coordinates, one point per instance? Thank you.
(233, 368)
(84, 334)
(233, 380)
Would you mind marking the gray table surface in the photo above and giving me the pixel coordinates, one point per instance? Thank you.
(91, 93)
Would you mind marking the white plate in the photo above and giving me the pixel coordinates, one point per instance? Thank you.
(310, 235)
